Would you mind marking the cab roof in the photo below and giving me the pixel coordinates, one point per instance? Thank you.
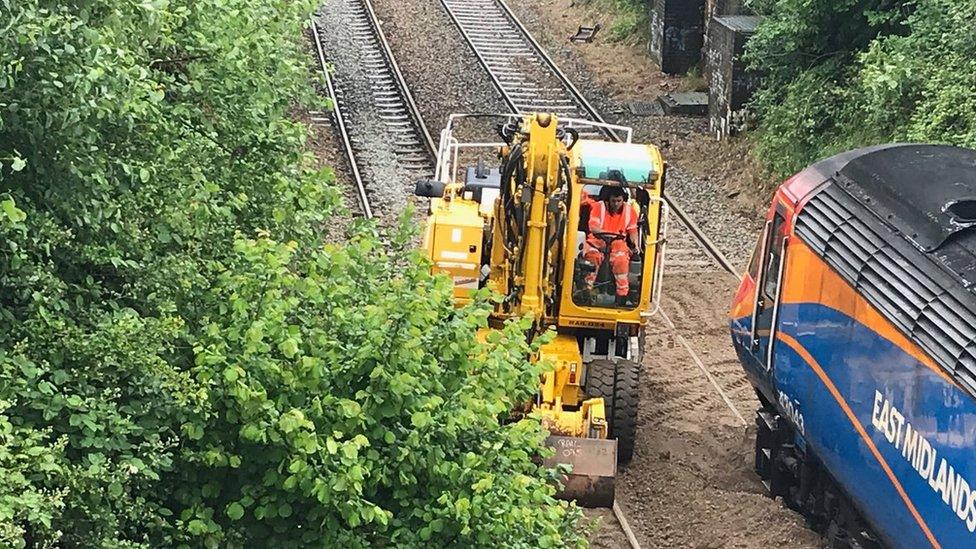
(620, 163)
(896, 222)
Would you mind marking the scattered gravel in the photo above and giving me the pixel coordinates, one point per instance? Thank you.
(731, 233)
(441, 69)
(388, 183)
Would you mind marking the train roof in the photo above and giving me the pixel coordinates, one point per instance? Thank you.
(898, 222)
(926, 192)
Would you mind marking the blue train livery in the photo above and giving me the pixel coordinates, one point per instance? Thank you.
(856, 324)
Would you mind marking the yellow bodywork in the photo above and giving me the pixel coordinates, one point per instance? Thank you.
(564, 408)
(532, 266)
(454, 243)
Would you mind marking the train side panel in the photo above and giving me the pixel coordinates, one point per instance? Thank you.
(889, 424)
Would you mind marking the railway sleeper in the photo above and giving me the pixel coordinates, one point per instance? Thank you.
(794, 474)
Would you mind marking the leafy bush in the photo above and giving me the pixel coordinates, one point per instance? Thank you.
(372, 415)
(849, 73)
(182, 362)
(26, 459)
(629, 18)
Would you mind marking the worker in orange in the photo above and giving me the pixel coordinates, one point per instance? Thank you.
(612, 217)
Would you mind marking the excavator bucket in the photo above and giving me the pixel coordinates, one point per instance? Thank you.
(594, 465)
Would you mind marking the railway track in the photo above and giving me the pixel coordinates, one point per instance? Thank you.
(529, 80)
(374, 114)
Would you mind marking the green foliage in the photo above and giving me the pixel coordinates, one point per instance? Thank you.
(372, 415)
(26, 461)
(804, 51)
(850, 73)
(629, 18)
(182, 362)
(925, 80)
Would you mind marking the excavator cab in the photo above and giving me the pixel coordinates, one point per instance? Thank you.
(517, 217)
(608, 259)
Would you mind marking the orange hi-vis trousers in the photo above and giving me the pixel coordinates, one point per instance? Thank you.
(593, 251)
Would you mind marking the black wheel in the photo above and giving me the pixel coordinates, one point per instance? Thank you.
(617, 382)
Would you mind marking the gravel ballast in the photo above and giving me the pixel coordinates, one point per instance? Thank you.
(388, 183)
(442, 71)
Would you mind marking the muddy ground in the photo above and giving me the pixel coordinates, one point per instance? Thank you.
(691, 482)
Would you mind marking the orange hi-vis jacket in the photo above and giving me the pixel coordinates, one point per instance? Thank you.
(624, 222)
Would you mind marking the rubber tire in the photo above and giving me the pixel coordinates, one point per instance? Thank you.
(617, 381)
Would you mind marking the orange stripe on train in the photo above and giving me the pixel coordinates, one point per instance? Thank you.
(815, 366)
(808, 279)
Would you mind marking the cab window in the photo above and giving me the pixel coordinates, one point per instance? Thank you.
(610, 241)
(753, 269)
(774, 251)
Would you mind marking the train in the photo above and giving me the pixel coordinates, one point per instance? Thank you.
(855, 322)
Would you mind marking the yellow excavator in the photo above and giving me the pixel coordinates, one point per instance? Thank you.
(521, 228)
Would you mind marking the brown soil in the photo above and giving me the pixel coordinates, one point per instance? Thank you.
(626, 71)
(608, 534)
(691, 482)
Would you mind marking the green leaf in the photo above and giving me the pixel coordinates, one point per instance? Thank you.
(284, 510)
(289, 348)
(197, 527)
(420, 419)
(235, 511)
(193, 431)
(231, 374)
(18, 164)
(12, 212)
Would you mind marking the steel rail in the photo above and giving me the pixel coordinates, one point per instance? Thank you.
(341, 125)
(427, 140)
(391, 99)
(575, 95)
